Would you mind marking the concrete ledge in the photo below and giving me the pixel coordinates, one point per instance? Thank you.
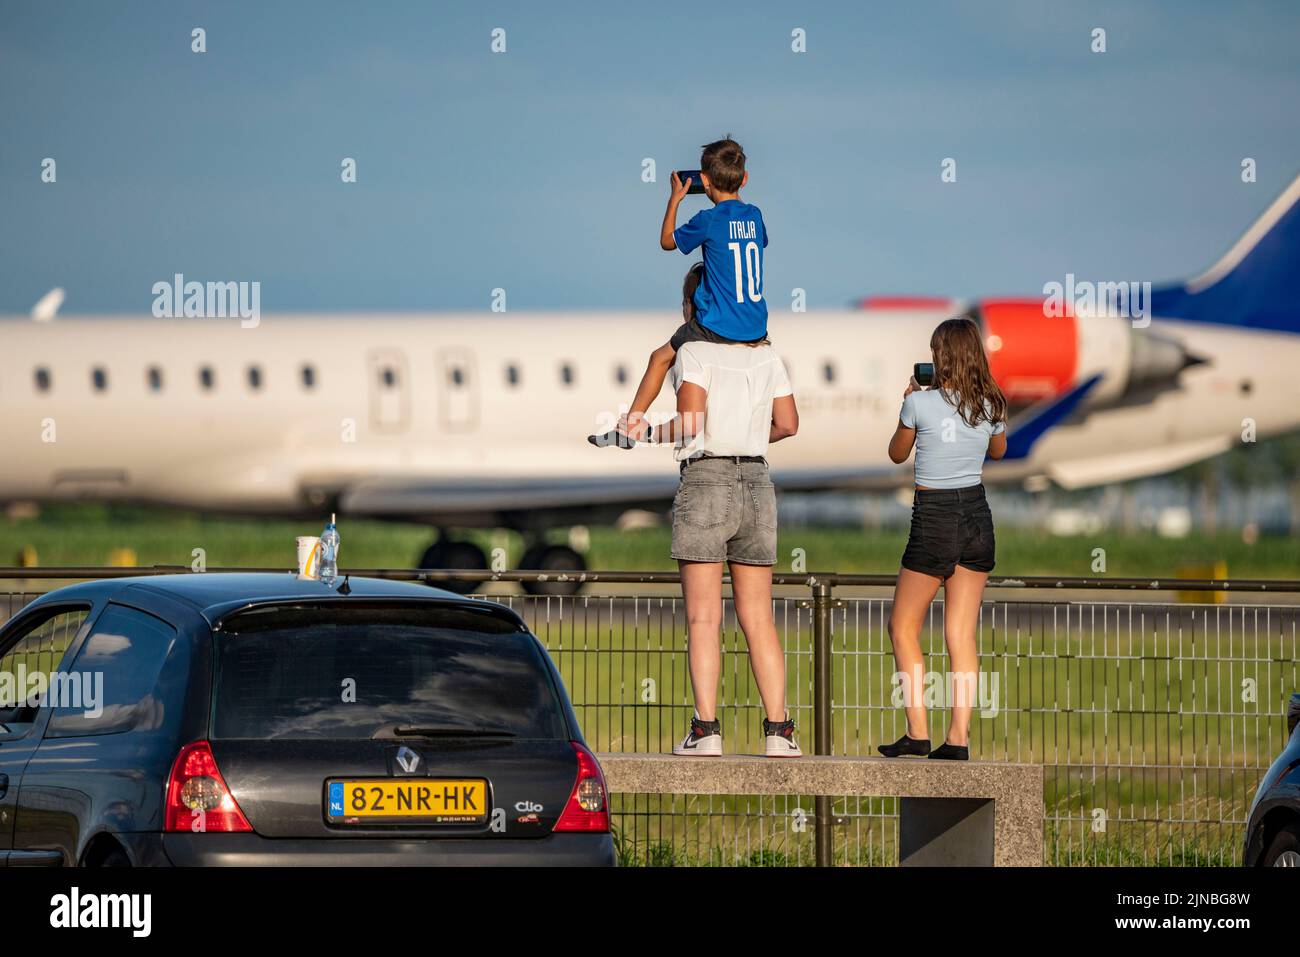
(1015, 789)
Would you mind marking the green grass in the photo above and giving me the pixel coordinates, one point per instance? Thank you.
(1140, 717)
(42, 649)
(1141, 720)
(87, 534)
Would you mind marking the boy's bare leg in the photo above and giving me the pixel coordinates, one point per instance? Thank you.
(702, 591)
(751, 589)
(652, 382)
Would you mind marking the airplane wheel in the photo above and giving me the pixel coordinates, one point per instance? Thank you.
(552, 558)
(532, 558)
(453, 554)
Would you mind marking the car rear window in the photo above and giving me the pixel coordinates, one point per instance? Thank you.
(361, 672)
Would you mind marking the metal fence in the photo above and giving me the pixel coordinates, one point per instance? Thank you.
(1154, 719)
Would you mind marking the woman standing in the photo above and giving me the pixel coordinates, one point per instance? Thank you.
(732, 401)
(953, 424)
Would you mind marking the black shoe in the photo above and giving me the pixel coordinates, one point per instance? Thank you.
(951, 752)
(612, 437)
(905, 745)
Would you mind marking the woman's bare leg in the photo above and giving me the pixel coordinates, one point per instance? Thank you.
(963, 592)
(912, 597)
(702, 592)
(751, 589)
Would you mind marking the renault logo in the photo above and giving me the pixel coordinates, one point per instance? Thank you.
(407, 759)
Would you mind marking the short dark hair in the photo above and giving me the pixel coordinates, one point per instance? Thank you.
(694, 276)
(723, 162)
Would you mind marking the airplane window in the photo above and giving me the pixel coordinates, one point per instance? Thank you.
(828, 371)
(566, 373)
(620, 374)
(254, 377)
(512, 374)
(206, 378)
(155, 379)
(99, 378)
(42, 379)
(308, 377)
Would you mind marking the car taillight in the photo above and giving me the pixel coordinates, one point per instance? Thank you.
(197, 797)
(588, 805)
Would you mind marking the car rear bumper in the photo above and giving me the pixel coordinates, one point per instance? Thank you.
(252, 850)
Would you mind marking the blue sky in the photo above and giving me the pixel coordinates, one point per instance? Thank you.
(522, 170)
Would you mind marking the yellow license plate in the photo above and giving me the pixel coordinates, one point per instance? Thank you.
(432, 801)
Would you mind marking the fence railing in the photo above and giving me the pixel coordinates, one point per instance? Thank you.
(1154, 719)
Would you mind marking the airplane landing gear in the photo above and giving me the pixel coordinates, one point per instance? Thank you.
(449, 553)
(552, 558)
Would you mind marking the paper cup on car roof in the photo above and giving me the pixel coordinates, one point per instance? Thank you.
(308, 557)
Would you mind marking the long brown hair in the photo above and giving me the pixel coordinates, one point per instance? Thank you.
(961, 372)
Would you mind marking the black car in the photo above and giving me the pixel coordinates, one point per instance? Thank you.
(259, 719)
(1273, 826)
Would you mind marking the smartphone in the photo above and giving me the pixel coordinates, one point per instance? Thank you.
(923, 373)
(697, 184)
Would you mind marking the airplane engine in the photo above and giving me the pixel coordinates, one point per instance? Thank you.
(1035, 357)
(1031, 356)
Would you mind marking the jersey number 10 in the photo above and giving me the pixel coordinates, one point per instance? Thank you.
(750, 267)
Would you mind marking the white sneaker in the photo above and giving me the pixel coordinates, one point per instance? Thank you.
(704, 740)
(780, 739)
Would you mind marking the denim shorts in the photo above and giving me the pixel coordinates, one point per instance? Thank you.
(725, 511)
(950, 527)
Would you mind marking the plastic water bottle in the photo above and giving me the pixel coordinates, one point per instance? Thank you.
(329, 552)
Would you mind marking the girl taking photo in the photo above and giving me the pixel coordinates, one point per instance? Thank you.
(953, 424)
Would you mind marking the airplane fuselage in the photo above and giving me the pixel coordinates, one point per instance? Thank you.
(474, 416)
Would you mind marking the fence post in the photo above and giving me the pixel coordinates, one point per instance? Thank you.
(821, 615)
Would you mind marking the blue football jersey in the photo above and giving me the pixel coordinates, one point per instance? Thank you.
(730, 299)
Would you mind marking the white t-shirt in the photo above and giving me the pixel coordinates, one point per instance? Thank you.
(741, 382)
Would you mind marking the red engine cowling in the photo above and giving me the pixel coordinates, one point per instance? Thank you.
(1031, 356)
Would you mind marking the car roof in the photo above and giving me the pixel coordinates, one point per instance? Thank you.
(216, 594)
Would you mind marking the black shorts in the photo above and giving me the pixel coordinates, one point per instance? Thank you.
(950, 527)
(694, 332)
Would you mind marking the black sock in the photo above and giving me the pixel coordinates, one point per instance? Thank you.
(951, 752)
(905, 745)
(612, 437)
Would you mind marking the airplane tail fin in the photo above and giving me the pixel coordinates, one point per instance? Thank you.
(1257, 282)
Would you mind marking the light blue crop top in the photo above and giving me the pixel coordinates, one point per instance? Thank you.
(949, 453)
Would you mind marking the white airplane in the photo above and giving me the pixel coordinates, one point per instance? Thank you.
(480, 420)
